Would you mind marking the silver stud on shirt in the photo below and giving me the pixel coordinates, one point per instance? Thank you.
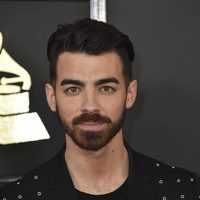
(160, 181)
(36, 177)
(182, 196)
(39, 193)
(157, 165)
(173, 167)
(19, 196)
(178, 180)
(164, 198)
(18, 183)
(191, 179)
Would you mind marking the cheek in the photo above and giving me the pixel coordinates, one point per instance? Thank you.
(67, 108)
(114, 107)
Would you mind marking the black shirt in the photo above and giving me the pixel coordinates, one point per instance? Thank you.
(120, 194)
(148, 179)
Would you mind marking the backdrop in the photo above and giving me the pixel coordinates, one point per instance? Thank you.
(165, 120)
(26, 27)
(164, 123)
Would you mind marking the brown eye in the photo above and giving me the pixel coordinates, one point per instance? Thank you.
(72, 91)
(107, 90)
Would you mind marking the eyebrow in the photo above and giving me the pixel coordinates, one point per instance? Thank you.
(80, 83)
(71, 82)
(107, 80)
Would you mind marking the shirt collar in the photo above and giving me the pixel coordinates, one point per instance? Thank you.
(139, 179)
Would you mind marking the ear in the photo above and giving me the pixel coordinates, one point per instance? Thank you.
(131, 94)
(50, 95)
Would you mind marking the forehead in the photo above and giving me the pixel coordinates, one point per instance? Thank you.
(83, 66)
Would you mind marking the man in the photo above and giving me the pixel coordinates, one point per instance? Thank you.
(91, 88)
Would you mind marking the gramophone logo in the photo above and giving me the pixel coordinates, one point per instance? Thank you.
(16, 123)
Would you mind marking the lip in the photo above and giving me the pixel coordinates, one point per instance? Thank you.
(91, 126)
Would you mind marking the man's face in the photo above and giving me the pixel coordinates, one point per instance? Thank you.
(90, 97)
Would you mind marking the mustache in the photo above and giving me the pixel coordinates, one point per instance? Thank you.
(90, 117)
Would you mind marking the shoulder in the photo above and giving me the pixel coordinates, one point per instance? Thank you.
(168, 179)
(160, 168)
(31, 185)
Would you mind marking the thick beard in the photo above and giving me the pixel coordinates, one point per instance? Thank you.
(93, 140)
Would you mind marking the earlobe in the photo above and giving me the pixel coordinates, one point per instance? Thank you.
(131, 94)
(50, 95)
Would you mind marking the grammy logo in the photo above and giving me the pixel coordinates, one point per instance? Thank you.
(17, 124)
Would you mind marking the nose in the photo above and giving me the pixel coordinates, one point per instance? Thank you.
(89, 103)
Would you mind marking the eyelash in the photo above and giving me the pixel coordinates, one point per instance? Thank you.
(107, 87)
(68, 90)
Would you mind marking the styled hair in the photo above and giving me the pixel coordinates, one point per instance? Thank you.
(93, 38)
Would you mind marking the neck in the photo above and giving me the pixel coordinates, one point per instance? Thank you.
(98, 172)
